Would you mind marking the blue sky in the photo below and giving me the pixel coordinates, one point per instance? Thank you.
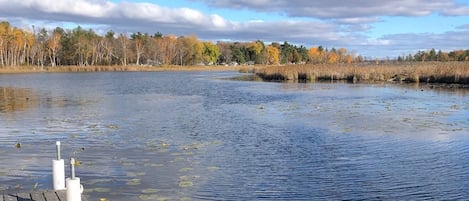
(368, 27)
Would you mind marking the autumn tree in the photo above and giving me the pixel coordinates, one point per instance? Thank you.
(211, 53)
(255, 51)
(168, 49)
(190, 50)
(124, 45)
(40, 47)
(272, 55)
(108, 44)
(138, 40)
(332, 57)
(342, 53)
(314, 55)
(53, 45)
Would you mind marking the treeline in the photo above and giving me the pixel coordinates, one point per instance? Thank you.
(81, 47)
(433, 55)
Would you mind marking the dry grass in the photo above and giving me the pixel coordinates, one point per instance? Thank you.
(37, 69)
(431, 72)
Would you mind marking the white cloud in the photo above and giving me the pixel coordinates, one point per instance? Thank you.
(345, 9)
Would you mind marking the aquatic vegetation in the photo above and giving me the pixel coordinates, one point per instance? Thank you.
(95, 181)
(112, 126)
(187, 153)
(160, 146)
(148, 197)
(135, 174)
(153, 165)
(186, 181)
(78, 163)
(429, 72)
(150, 190)
(185, 184)
(213, 168)
(178, 159)
(92, 126)
(127, 163)
(187, 169)
(134, 182)
(99, 190)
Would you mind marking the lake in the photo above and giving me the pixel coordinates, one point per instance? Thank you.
(200, 136)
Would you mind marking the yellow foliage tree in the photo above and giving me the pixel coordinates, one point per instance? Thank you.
(272, 55)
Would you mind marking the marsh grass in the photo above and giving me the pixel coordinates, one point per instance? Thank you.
(430, 72)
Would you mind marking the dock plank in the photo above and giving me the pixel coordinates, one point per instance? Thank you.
(9, 197)
(37, 196)
(51, 196)
(23, 197)
(62, 195)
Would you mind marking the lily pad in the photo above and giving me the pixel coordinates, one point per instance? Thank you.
(150, 190)
(185, 169)
(186, 181)
(213, 168)
(133, 182)
(148, 197)
(185, 184)
(135, 174)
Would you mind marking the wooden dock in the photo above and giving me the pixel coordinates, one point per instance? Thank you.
(35, 196)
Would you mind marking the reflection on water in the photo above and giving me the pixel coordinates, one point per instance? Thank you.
(13, 99)
(191, 136)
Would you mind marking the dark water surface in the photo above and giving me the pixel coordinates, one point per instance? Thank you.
(193, 136)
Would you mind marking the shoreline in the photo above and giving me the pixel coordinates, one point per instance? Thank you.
(129, 68)
(440, 74)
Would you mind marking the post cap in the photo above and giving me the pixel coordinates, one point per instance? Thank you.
(57, 143)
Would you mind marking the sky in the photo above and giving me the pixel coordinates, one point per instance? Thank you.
(371, 28)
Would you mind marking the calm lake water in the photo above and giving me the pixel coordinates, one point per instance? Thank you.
(196, 136)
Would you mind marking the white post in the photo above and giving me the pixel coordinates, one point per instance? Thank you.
(58, 171)
(74, 188)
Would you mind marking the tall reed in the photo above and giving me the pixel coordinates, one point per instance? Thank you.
(430, 72)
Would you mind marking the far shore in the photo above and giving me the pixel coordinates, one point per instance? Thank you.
(120, 68)
(423, 72)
